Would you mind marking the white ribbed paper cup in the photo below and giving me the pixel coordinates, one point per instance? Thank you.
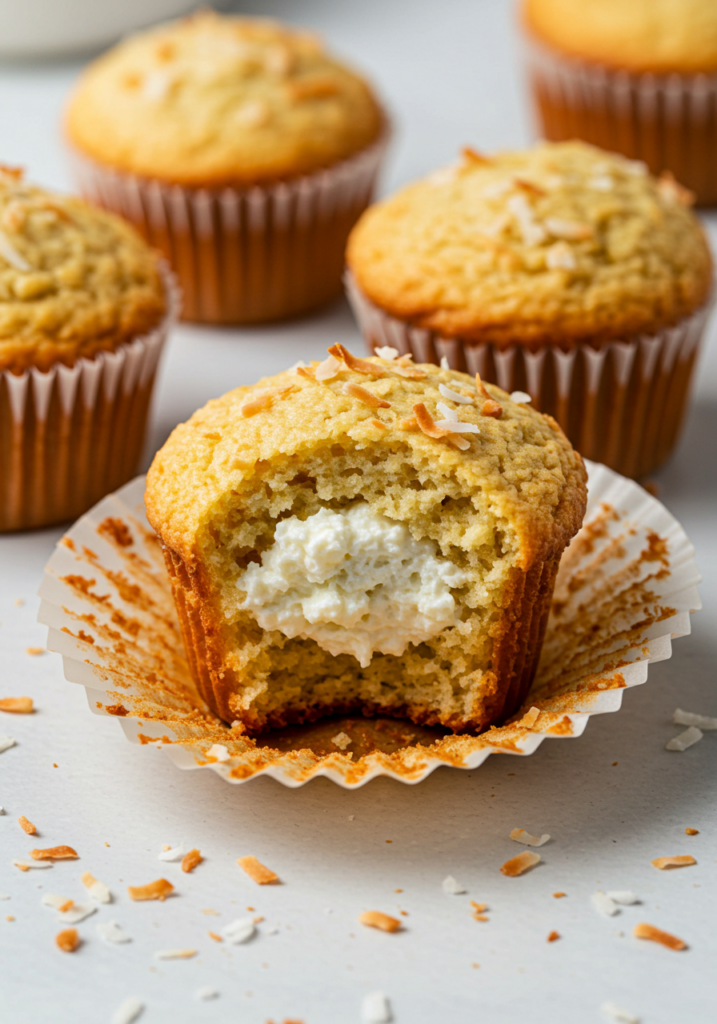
(245, 255)
(625, 590)
(621, 404)
(668, 120)
(72, 434)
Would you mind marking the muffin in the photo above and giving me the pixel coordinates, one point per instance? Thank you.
(562, 272)
(365, 536)
(633, 75)
(240, 149)
(84, 309)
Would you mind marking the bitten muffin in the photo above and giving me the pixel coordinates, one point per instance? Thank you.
(83, 301)
(550, 270)
(215, 133)
(365, 536)
(632, 75)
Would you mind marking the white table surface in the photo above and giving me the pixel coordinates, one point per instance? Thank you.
(450, 73)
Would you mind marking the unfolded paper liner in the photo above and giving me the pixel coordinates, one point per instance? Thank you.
(626, 587)
(245, 255)
(621, 404)
(668, 120)
(72, 434)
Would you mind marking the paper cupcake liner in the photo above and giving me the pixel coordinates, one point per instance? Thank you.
(667, 120)
(72, 434)
(622, 404)
(625, 590)
(245, 255)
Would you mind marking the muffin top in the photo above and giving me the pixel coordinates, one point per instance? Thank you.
(640, 35)
(561, 242)
(74, 280)
(516, 462)
(214, 100)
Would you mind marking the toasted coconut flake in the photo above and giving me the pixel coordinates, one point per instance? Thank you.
(17, 705)
(521, 836)
(666, 863)
(24, 865)
(257, 871)
(171, 853)
(77, 912)
(426, 423)
(214, 937)
(530, 717)
(409, 372)
(264, 400)
(330, 367)
(672, 191)
(376, 919)
(386, 352)
(704, 722)
(479, 911)
(68, 940)
(604, 904)
(571, 230)
(452, 887)
(472, 156)
(529, 187)
(454, 396)
(648, 931)
(158, 890)
(110, 931)
(617, 1013)
(239, 931)
(5, 743)
(409, 424)
(692, 832)
(55, 853)
(624, 897)
(97, 890)
(559, 895)
(365, 396)
(520, 397)
(520, 864)
(128, 1012)
(52, 899)
(26, 826)
(307, 372)
(686, 739)
(175, 954)
(357, 365)
(375, 1008)
(219, 752)
(560, 257)
(492, 408)
(9, 253)
(35, 651)
(191, 860)
(553, 937)
(379, 425)
(66, 905)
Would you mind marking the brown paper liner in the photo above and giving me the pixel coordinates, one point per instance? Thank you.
(245, 255)
(72, 434)
(622, 404)
(517, 646)
(667, 120)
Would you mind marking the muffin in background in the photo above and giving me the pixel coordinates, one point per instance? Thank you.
(637, 76)
(560, 271)
(84, 310)
(239, 148)
(374, 537)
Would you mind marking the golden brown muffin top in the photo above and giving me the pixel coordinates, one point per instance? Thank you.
(519, 463)
(640, 35)
(74, 280)
(220, 100)
(559, 243)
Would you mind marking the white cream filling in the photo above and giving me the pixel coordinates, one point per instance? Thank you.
(354, 581)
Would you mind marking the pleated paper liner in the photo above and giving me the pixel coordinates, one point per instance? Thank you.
(70, 435)
(622, 404)
(667, 120)
(245, 255)
(625, 590)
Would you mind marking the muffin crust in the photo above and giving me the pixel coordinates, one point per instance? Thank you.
(74, 280)
(562, 242)
(220, 100)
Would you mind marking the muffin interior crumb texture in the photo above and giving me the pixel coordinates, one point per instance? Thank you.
(221, 100)
(338, 567)
(74, 280)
